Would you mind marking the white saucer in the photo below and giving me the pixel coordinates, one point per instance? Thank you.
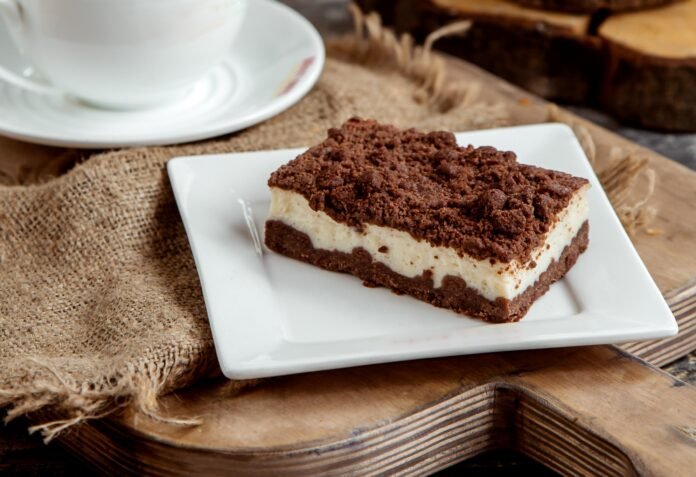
(275, 61)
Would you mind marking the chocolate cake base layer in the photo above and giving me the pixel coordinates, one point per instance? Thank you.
(454, 293)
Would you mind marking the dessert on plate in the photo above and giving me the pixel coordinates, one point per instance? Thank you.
(465, 228)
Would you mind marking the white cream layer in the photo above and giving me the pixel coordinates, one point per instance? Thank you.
(410, 257)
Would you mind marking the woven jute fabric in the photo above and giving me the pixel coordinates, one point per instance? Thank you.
(100, 304)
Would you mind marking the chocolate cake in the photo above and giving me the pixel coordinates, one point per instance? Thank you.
(464, 228)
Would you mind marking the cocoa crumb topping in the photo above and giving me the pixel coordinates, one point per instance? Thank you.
(479, 201)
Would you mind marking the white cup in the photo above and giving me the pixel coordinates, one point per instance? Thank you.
(120, 53)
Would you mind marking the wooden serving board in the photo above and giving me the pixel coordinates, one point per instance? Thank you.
(593, 410)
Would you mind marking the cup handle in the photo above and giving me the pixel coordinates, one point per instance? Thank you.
(11, 11)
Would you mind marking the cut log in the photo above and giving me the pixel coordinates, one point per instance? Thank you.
(506, 11)
(650, 78)
(639, 66)
(548, 53)
(590, 6)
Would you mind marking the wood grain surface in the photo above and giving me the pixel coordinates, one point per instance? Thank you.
(596, 410)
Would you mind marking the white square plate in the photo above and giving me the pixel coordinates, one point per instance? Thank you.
(271, 315)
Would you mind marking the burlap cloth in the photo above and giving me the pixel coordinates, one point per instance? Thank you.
(100, 303)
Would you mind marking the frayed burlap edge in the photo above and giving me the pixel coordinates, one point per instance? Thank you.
(620, 178)
(139, 385)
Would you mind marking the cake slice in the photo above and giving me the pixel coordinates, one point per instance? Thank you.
(464, 228)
